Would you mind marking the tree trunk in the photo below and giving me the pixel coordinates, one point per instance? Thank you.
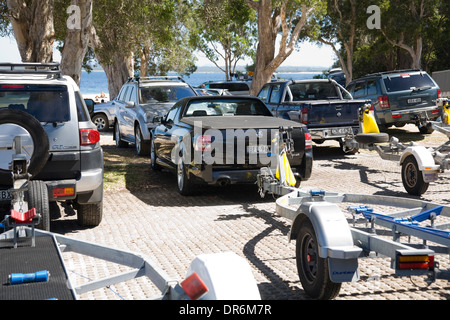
(76, 42)
(270, 21)
(118, 72)
(118, 67)
(33, 29)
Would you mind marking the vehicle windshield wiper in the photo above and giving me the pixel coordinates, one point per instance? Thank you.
(421, 88)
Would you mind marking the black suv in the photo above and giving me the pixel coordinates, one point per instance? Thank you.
(44, 118)
(400, 97)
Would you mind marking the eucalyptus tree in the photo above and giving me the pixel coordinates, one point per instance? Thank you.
(342, 28)
(146, 31)
(224, 31)
(404, 25)
(284, 18)
(33, 29)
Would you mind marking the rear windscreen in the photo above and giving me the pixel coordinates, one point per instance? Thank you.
(408, 82)
(46, 103)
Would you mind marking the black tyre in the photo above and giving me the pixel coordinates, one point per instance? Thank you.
(312, 269)
(412, 177)
(90, 215)
(117, 137)
(38, 135)
(426, 129)
(101, 122)
(142, 147)
(185, 186)
(370, 138)
(155, 166)
(38, 199)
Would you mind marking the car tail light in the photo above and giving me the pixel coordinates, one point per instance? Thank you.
(63, 192)
(384, 102)
(304, 115)
(439, 93)
(89, 136)
(202, 143)
(308, 141)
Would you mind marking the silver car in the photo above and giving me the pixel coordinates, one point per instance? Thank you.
(104, 115)
(139, 101)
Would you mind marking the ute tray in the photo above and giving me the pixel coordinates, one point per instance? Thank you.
(28, 259)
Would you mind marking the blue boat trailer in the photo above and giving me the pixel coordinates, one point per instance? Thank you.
(333, 230)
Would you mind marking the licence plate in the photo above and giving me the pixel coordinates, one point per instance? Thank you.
(5, 195)
(416, 100)
(258, 149)
(339, 131)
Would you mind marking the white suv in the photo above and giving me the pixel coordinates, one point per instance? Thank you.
(61, 144)
(139, 101)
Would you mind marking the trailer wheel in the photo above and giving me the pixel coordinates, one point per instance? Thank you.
(412, 177)
(38, 198)
(312, 269)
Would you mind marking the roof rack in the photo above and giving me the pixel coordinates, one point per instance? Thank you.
(51, 68)
(392, 71)
(144, 79)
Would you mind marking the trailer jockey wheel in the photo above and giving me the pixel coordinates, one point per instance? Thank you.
(35, 142)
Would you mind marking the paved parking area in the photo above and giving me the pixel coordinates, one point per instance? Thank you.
(171, 230)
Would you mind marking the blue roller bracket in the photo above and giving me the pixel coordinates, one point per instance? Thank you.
(19, 278)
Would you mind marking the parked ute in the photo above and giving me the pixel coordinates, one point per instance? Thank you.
(400, 97)
(47, 111)
(325, 107)
(139, 101)
(224, 140)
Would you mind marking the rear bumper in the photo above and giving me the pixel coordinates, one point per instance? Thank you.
(407, 115)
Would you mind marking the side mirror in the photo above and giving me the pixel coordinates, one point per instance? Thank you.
(157, 120)
(90, 105)
(130, 104)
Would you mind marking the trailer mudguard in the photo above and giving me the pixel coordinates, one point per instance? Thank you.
(226, 275)
(332, 230)
(425, 161)
(335, 240)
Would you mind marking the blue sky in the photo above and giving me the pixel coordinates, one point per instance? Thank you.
(309, 55)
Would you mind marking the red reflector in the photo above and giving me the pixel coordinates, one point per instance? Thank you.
(194, 287)
(435, 111)
(396, 116)
(13, 86)
(89, 136)
(417, 265)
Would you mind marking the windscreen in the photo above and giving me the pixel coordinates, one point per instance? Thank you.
(164, 94)
(408, 82)
(226, 107)
(46, 103)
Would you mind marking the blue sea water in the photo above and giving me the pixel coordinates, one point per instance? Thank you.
(95, 82)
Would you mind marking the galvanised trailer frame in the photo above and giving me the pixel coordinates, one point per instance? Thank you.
(330, 242)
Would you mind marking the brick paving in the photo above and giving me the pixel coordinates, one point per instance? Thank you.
(172, 230)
